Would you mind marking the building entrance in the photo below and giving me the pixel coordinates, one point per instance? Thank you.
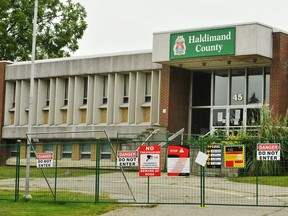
(228, 99)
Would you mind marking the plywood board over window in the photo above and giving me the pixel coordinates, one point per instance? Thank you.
(146, 114)
(103, 115)
(64, 116)
(46, 116)
(124, 115)
(83, 115)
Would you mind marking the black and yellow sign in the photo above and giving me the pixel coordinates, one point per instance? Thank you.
(214, 152)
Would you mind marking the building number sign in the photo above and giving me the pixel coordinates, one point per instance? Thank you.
(238, 97)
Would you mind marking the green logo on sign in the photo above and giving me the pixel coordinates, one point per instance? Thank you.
(202, 43)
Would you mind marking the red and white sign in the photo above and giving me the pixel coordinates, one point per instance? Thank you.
(178, 161)
(268, 151)
(44, 160)
(127, 158)
(149, 161)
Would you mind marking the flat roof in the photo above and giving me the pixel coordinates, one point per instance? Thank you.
(125, 53)
(220, 26)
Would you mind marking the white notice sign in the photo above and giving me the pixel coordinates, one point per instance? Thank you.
(127, 158)
(201, 158)
(268, 151)
(44, 160)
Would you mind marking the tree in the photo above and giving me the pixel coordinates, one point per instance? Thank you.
(59, 27)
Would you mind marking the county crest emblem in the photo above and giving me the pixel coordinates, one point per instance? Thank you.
(179, 46)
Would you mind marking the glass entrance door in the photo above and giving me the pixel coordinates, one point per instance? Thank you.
(229, 99)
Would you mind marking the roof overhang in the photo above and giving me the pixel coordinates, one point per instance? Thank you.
(251, 45)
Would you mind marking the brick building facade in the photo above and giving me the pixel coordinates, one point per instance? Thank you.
(279, 74)
(222, 84)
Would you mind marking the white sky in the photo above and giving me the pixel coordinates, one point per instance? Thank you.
(128, 25)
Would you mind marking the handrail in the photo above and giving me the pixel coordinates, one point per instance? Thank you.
(172, 137)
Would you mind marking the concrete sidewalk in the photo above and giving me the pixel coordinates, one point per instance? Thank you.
(184, 210)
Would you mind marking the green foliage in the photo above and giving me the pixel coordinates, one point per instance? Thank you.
(272, 129)
(264, 180)
(60, 25)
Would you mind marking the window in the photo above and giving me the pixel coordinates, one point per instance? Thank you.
(220, 87)
(13, 151)
(219, 117)
(66, 84)
(105, 150)
(236, 117)
(201, 83)
(48, 148)
(105, 89)
(85, 151)
(237, 87)
(14, 95)
(32, 152)
(201, 121)
(148, 87)
(253, 116)
(47, 92)
(267, 85)
(67, 151)
(255, 79)
(85, 90)
(237, 97)
(126, 88)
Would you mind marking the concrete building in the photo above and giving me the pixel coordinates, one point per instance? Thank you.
(197, 79)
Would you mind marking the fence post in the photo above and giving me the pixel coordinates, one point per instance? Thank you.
(97, 173)
(257, 174)
(202, 176)
(56, 173)
(17, 171)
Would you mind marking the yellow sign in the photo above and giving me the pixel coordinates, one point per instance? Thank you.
(234, 156)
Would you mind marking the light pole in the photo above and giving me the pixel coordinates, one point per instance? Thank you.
(31, 101)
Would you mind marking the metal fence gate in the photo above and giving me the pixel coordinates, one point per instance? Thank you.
(98, 179)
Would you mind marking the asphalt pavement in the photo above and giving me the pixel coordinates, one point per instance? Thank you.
(184, 210)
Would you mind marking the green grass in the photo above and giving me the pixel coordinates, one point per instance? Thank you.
(32, 208)
(42, 204)
(263, 180)
(10, 172)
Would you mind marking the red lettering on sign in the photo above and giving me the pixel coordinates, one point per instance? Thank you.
(45, 156)
(263, 147)
(127, 154)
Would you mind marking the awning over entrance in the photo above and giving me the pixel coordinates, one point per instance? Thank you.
(227, 46)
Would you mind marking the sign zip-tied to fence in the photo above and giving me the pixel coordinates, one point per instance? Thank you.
(29, 135)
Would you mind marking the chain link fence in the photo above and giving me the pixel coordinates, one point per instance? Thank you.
(234, 173)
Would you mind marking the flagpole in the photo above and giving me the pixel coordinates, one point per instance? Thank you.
(31, 100)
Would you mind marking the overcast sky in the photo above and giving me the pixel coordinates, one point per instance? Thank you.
(128, 25)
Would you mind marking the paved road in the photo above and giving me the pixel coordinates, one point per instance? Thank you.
(170, 190)
(185, 210)
(164, 189)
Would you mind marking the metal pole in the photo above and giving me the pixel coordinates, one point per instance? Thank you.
(31, 113)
